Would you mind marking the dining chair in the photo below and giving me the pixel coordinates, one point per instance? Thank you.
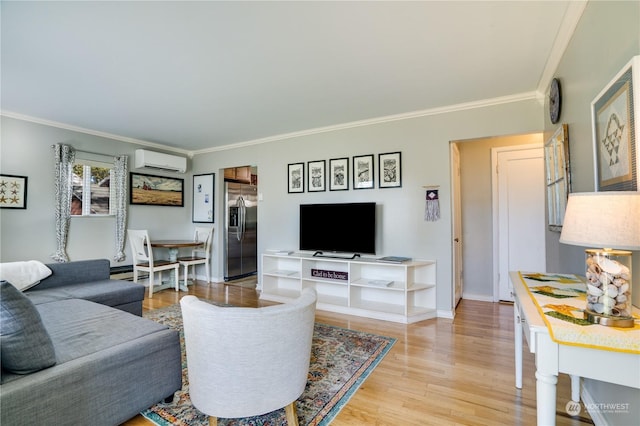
(143, 259)
(244, 362)
(200, 255)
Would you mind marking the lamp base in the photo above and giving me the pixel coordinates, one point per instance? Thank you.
(608, 321)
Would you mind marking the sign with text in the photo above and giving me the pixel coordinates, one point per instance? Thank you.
(332, 275)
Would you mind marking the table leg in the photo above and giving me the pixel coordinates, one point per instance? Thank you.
(517, 331)
(173, 257)
(546, 379)
(575, 388)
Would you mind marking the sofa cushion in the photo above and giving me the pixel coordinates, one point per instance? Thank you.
(24, 275)
(26, 345)
(106, 292)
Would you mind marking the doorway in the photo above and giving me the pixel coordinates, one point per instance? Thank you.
(518, 214)
(474, 253)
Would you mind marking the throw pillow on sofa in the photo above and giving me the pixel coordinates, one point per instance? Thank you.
(26, 345)
(24, 275)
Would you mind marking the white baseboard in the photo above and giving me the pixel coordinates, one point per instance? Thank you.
(478, 297)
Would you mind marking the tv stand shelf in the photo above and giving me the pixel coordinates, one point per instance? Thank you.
(401, 292)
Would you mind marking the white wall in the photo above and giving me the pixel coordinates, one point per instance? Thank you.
(607, 37)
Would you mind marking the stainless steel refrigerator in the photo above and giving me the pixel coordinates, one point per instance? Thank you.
(241, 230)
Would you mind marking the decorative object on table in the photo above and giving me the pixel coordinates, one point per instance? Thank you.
(363, 171)
(13, 192)
(342, 361)
(152, 190)
(615, 115)
(203, 194)
(295, 177)
(555, 101)
(609, 220)
(339, 174)
(390, 170)
(558, 176)
(316, 172)
(432, 204)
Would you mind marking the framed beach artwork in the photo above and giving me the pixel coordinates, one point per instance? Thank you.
(13, 192)
(363, 172)
(152, 190)
(295, 178)
(203, 191)
(316, 173)
(615, 117)
(339, 174)
(389, 170)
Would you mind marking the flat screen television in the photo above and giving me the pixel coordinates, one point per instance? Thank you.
(338, 228)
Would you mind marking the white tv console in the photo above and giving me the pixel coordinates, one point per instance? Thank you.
(401, 292)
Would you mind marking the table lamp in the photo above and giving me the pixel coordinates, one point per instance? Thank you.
(610, 220)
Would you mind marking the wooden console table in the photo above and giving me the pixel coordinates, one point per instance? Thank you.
(553, 358)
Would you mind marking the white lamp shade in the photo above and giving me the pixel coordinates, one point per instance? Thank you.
(609, 219)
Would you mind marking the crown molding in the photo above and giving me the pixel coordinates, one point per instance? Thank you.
(73, 128)
(379, 120)
(570, 21)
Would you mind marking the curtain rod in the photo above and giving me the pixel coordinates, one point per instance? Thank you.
(94, 153)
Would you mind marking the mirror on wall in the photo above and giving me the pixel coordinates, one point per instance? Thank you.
(558, 176)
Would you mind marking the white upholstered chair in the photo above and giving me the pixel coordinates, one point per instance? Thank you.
(246, 362)
(200, 255)
(143, 259)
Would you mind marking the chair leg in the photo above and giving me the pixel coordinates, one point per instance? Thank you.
(208, 273)
(151, 284)
(213, 421)
(186, 273)
(292, 414)
(177, 276)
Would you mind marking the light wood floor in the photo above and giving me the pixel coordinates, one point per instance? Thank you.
(439, 372)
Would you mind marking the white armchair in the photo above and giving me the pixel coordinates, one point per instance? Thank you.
(246, 362)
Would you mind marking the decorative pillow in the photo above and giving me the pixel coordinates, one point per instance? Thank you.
(24, 275)
(26, 345)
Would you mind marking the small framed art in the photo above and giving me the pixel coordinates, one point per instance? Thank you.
(363, 172)
(203, 191)
(339, 174)
(295, 177)
(13, 192)
(390, 170)
(316, 172)
(614, 114)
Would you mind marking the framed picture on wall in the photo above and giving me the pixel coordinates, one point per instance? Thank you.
(152, 190)
(389, 170)
(13, 192)
(203, 191)
(339, 174)
(363, 172)
(615, 118)
(295, 178)
(316, 172)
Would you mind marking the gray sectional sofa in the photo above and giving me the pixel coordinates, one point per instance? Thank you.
(108, 362)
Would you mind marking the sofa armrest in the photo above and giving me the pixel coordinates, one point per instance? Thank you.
(80, 271)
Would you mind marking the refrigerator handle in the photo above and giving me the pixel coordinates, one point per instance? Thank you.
(241, 225)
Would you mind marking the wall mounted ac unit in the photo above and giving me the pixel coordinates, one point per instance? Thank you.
(160, 161)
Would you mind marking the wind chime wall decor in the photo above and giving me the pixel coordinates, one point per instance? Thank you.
(432, 206)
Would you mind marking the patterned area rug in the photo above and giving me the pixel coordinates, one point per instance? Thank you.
(341, 360)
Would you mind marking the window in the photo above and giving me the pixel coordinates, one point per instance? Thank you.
(92, 193)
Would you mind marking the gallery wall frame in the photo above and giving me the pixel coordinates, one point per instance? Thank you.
(363, 172)
(154, 190)
(390, 170)
(203, 198)
(558, 176)
(316, 171)
(615, 114)
(13, 192)
(339, 174)
(295, 178)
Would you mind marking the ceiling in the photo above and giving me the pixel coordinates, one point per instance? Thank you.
(201, 76)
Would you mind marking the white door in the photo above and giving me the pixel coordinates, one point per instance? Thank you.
(457, 225)
(519, 220)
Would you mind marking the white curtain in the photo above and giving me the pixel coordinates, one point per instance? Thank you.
(64, 159)
(120, 184)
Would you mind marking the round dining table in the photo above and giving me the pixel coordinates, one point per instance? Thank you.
(174, 247)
